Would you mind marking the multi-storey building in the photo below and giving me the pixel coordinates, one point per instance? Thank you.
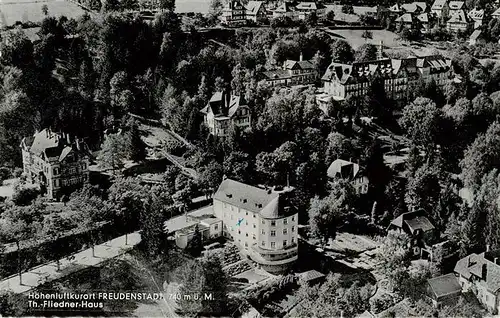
(304, 9)
(233, 13)
(480, 274)
(262, 222)
(284, 10)
(343, 169)
(224, 112)
(256, 11)
(398, 75)
(55, 161)
(477, 16)
(458, 22)
(440, 8)
(293, 73)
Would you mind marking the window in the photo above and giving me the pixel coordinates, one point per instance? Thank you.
(254, 237)
(246, 244)
(293, 218)
(254, 226)
(273, 244)
(293, 229)
(263, 222)
(284, 243)
(285, 231)
(56, 171)
(273, 223)
(216, 227)
(246, 222)
(273, 233)
(239, 231)
(254, 215)
(246, 234)
(246, 213)
(263, 232)
(285, 221)
(263, 243)
(293, 240)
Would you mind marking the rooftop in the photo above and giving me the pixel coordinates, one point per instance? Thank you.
(343, 169)
(482, 268)
(53, 145)
(444, 285)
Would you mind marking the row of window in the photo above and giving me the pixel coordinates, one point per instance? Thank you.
(273, 232)
(285, 221)
(273, 244)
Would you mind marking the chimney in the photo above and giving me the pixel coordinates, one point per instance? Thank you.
(487, 247)
(301, 58)
(68, 139)
(77, 141)
(495, 260)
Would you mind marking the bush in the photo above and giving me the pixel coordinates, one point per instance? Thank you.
(4, 174)
(381, 303)
(17, 172)
(174, 147)
(25, 195)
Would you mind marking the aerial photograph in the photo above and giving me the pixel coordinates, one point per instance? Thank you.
(240, 158)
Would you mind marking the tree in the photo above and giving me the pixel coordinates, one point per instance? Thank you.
(339, 147)
(396, 256)
(366, 52)
(151, 223)
(277, 165)
(113, 152)
(423, 189)
(327, 214)
(45, 9)
(239, 166)
(481, 156)
(17, 49)
(367, 35)
(15, 230)
(54, 226)
(195, 245)
(421, 122)
(342, 52)
(210, 177)
(137, 148)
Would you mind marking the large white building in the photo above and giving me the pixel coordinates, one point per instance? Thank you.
(56, 162)
(260, 221)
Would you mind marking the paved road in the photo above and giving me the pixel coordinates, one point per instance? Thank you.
(48, 272)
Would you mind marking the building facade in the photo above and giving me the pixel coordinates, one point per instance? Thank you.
(440, 8)
(260, 221)
(256, 11)
(480, 274)
(225, 112)
(304, 9)
(458, 22)
(400, 76)
(284, 10)
(292, 73)
(56, 162)
(233, 14)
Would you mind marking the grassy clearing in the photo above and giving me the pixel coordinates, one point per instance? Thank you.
(12, 11)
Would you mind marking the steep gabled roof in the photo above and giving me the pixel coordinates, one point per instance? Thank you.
(456, 5)
(343, 169)
(476, 14)
(414, 7)
(423, 17)
(253, 7)
(458, 17)
(496, 13)
(283, 8)
(407, 18)
(475, 264)
(438, 4)
(223, 107)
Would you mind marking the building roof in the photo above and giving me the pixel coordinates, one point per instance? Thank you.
(496, 13)
(303, 65)
(268, 203)
(475, 35)
(414, 7)
(253, 7)
(423, 17)
(456, 5)
(475, 264)
(438, 4)
(343, 169)
(53, 145)
(311, 275)
(476, 14)
(309, 6)
(223, 104)
(276, 74)
(405, 18)
(444, 285)
(233, 5)
(395, 8)
(283, 8)
(416, 220)
(458, 17)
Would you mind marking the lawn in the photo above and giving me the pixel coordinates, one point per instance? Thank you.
(355, 39)
(12, 11)
(7, 188)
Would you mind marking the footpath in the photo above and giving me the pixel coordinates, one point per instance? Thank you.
(48, 272)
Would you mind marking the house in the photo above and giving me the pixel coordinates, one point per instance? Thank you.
(256, 11)
(440, 8)
(225, 112)
(444, 290)
(57, 162)
(342, 81)
(458, 22)
(455, 7)
(414, 7)
(304, 9)
(420, 230)
(396, 9)
(475, 37)
(292, 73)
(424, 19)
(406, 20)
(233, 14)
(480, 274)
(284, 10)
(477, 16)
(262, 222)
(343, 169)
(496, 14)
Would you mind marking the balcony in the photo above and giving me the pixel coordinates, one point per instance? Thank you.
(274, 257)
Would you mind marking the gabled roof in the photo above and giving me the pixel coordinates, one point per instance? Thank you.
(407, 18)
(283, 8)
(416, 220)
(312, 6)
(476, 14)
(276, 74)
(456, 5)
(233, 5)
(414, 7)
(458, 17)
(444, 285)
(293, 65)
(395, 8)
(253, 7)
(423, 17)
(50, 144)
(475, 35)
(267, 203)
(343, 169)
(311, 275)
(222, 106)
(438, 4)
(475, 264)
(496, 13)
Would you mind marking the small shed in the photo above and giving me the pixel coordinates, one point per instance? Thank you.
(312, 277)
(444, 289)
